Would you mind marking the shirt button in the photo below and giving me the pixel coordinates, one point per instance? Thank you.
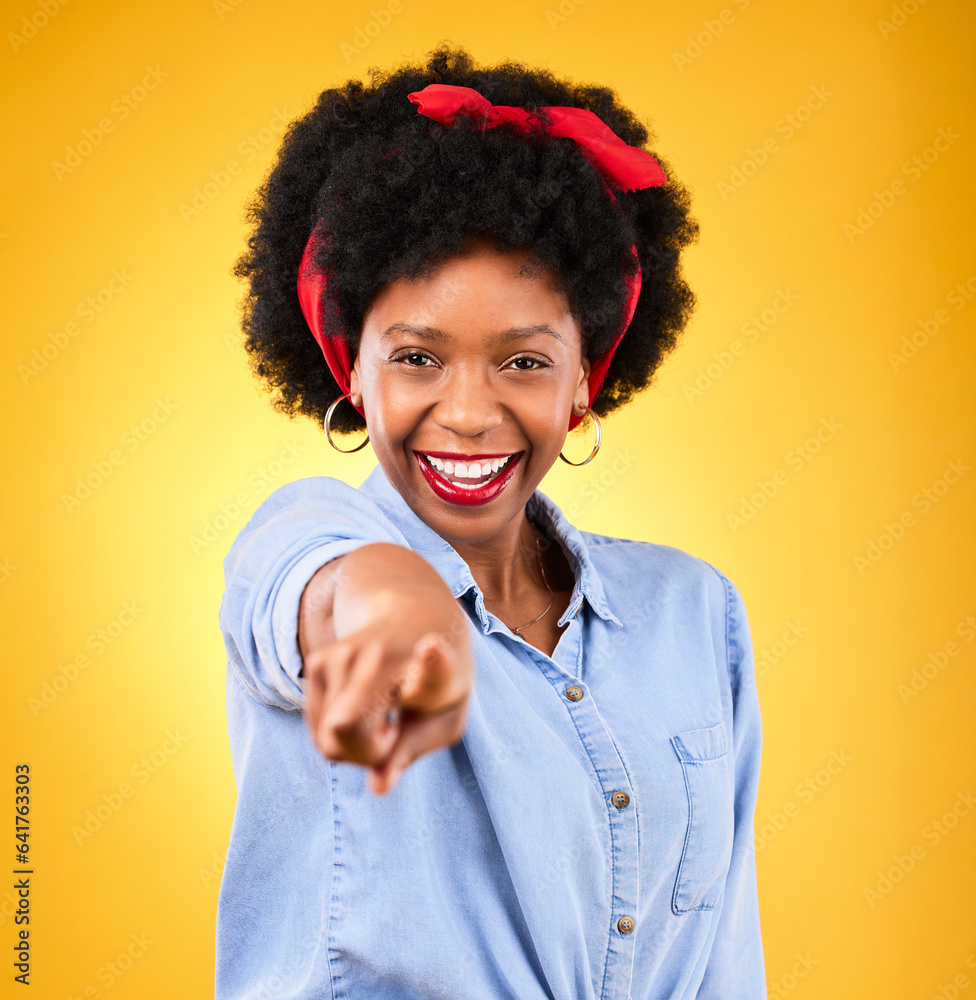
(620, 799)
(574, 693)
(625, 925)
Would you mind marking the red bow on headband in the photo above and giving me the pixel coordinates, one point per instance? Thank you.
(624, 166)
(618, 163)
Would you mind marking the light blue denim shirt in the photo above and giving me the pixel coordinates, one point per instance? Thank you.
(591, 836)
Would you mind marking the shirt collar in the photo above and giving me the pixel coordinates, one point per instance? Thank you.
(454, 570)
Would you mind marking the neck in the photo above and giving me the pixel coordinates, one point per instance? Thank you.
(508, 564)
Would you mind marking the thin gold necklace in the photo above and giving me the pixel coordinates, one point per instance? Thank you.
(538, 552)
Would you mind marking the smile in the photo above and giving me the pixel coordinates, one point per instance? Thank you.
(467, 479)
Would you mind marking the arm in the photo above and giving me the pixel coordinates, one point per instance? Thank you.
(735, 966)
(296, 530)
(293, 590)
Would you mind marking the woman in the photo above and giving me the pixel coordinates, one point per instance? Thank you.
(560, 729)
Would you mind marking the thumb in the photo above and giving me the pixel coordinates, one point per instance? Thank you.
(427, 673)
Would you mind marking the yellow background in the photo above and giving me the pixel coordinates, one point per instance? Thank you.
(168, 332)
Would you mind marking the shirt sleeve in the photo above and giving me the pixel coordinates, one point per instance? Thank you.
(298, 529)
(736, 966)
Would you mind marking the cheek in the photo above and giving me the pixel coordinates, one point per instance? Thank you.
(392, 404)
(541, 416)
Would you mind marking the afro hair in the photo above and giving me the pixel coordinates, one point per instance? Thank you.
(395, 193)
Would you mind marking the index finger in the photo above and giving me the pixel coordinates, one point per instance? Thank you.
(355, 722)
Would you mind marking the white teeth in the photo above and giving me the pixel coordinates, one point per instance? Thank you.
(468, 470)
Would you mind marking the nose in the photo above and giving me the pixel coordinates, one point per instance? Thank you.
(467, 403)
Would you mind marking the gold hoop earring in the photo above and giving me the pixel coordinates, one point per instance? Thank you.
(328, 433)
(596, 446)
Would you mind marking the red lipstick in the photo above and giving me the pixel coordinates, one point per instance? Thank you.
(467, 497)
(454, 456)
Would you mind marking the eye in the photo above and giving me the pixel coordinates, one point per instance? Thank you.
(414, 359)
(527, 364)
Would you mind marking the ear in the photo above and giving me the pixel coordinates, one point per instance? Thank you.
(355, 389)
(582, 394)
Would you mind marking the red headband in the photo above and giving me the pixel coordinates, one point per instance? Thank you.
(618, 163)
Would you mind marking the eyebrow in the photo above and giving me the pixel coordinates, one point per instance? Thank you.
(432, 333)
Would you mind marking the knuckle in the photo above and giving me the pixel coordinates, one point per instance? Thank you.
(348, 725)
(339, 651)
(358, 738)
(314, 663)
(326, 658)
(343, 746)
(329, 747)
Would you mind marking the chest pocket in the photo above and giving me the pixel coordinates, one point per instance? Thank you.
(707, 850)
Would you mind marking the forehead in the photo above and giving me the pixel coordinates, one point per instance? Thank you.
(478, 294)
